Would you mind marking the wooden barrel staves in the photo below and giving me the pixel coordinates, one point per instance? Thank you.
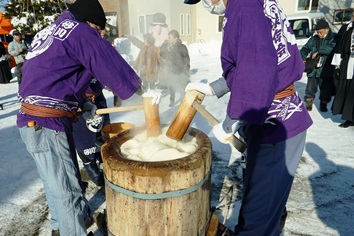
(157, 198)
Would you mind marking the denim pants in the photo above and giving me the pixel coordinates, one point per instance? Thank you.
(54, 155)
(325, 86)
(268, 178)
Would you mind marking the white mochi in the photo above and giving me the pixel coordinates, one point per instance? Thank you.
(161, 148)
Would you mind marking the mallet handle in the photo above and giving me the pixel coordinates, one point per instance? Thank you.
(119, 109)
(238, 144)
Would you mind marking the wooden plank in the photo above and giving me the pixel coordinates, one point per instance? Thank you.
(213, 226)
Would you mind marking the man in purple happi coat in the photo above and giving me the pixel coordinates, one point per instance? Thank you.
(260, 62)
(58, 69)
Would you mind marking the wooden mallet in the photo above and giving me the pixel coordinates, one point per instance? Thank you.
(185, 114)
(151, 113)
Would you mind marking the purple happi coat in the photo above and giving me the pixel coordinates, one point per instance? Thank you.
(259, 58)
(60, 64)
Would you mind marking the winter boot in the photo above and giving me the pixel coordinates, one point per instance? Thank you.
(92, 170)
(323, 106)
(309, 103)
(101, 221)
(346, 124)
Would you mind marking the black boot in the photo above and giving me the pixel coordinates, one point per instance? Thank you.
(101, 221)
(323, 106)
(346, 124)
(92, 170)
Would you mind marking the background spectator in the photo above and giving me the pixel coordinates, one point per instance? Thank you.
(18, 48)
(176, 64)
(5, 70)
(344, 59)
(148, 61)
(319, 46)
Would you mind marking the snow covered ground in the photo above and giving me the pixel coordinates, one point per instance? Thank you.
(322, 197)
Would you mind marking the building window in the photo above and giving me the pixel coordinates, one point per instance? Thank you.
(145, 22)
(142, 25)
(307, 5)
(220, 23)
(188, 23)
(181, 31)
(342, 16)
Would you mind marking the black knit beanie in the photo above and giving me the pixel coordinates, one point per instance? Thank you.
(90, 10)
(321, 24)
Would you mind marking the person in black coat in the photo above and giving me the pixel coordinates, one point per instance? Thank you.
(176, 63)
(5, 70)
(344, 59)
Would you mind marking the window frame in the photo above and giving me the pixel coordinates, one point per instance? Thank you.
(343, 20)
(181, 26)
(147, 19)
(311, 6)
(188, 24)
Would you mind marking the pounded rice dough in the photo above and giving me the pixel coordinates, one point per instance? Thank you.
(161, 148)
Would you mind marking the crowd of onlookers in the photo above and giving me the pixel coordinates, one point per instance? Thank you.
(332, 74)
(163, 60)
(333, 71)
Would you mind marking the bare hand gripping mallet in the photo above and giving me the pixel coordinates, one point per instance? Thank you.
(185, 114)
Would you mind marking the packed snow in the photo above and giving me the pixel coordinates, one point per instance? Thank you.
(321, 201)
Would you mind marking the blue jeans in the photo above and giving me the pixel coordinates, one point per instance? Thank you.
(54, 155)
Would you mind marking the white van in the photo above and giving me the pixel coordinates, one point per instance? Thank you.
(303, 25)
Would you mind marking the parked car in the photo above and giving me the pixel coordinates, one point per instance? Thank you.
(303, 25)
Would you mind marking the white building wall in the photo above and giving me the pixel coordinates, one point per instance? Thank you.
(289, 6)
(203, 25)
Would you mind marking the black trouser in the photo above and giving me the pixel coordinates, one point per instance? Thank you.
(19, 73)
